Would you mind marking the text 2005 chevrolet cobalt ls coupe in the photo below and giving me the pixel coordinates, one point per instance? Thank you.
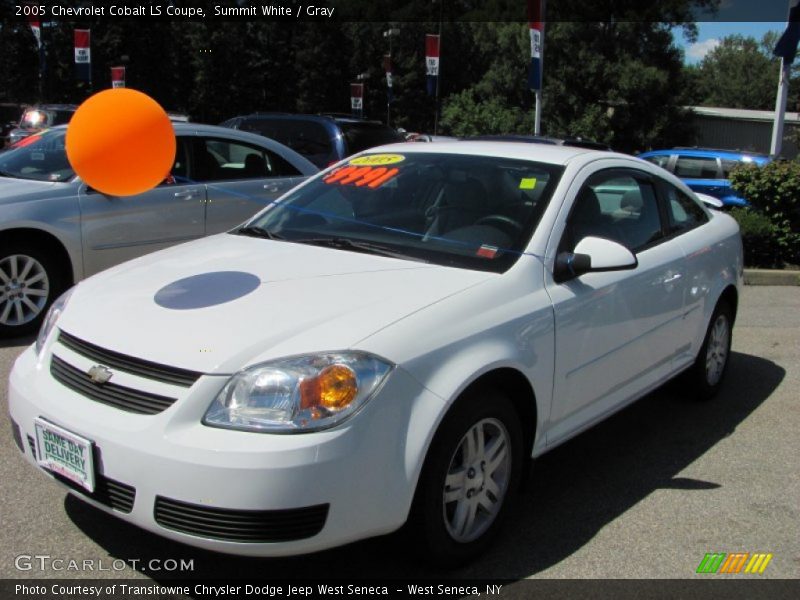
(387, 344)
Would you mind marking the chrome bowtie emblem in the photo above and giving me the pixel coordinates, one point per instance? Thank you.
(99, 374)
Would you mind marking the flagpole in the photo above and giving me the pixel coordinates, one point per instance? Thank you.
(536, 24)
(537, 119)
(786, 48)
(438, 73)
(780, 109)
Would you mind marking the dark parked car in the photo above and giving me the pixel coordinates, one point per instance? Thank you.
(706, 170)
(322, 139)
(40, 117)
(9, 117)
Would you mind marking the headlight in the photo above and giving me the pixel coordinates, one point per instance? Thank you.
(51, 319)
(299, 394)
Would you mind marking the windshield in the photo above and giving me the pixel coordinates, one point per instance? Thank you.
(466, 211)
(40, 156)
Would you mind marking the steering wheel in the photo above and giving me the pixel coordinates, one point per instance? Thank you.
(505, 223)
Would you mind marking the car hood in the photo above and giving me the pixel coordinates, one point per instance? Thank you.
(14, 190)
(224, 302)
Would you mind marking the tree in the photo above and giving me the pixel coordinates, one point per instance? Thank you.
(621, 83)
(741, 72)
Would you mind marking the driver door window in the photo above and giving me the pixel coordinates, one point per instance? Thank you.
(617, 207)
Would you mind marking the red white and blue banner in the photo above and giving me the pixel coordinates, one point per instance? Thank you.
(83, 55)
(786, 47)
(536, 23)
(357, 98)
(36, 29)
(387, 67)
(432, 61)
(117, 77)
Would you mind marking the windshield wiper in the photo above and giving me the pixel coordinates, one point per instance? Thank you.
(7, 174)
(260, 232)
(341, 243)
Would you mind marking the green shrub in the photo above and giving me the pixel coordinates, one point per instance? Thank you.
(774, 194)
(765, 243)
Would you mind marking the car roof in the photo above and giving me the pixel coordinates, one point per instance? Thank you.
(546, 153)
(540, 139)
(705, 152)
(327, 118)
(183, 127)
(72, 107)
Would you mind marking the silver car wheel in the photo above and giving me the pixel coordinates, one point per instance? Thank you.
(24, 289)
(477, 480)
(717, 350)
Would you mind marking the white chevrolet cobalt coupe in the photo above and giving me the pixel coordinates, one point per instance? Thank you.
(388, 344)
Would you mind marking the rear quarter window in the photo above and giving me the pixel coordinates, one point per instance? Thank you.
(307, 138)
(362, 136)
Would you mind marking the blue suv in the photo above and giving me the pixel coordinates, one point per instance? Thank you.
(706, 170)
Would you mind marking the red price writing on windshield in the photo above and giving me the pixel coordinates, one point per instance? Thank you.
(371, 177)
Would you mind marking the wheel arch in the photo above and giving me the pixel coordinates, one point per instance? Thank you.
(45, 240)
(730, 295)
(514, 384)
(509, 380)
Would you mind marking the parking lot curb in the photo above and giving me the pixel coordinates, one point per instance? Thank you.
(771, 277)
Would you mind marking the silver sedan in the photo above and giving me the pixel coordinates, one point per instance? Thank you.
(55, 230)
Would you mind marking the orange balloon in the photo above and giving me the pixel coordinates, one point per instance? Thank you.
(121, 142)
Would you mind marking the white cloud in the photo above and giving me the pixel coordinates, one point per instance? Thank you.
(696, 52)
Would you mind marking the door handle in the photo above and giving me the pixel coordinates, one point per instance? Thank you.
(187, 194)
(272, 187)
(671, 279)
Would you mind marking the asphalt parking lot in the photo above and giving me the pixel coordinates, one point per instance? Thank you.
(644, 495)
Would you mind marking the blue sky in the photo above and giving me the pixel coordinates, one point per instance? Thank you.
(710, 32)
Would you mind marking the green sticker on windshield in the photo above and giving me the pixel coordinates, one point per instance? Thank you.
(527, 183)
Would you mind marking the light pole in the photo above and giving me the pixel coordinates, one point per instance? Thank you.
(389, 33)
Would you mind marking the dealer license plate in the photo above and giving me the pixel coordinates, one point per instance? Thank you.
(65, 453)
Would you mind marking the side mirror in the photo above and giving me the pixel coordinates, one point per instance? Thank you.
(709, 201)
(593, 255)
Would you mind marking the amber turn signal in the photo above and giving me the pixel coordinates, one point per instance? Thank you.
(333, 389)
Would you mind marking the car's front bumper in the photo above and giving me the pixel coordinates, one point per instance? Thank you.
(347, 483)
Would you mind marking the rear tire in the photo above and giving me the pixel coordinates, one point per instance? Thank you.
(705, 377)
(29, 282)
(471, 472)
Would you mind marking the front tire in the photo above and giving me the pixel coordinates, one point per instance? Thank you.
(706, 376)
(29, 282)
(472, 470)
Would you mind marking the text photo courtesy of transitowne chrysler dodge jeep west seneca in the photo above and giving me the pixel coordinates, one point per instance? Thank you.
(386, 345)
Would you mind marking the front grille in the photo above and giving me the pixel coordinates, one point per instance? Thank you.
(108, 492)
(129, 364)
(124, 398)
(15, 430)
(32, 446)
(249, 526)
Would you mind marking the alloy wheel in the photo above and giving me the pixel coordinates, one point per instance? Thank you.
(717, 349)
(24, 289)
(477, 480)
